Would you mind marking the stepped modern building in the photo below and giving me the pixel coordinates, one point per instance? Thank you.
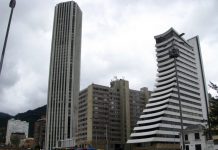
(160, 124)
(64, 75)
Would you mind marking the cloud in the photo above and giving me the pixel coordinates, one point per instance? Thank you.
(24, 78)
(117, 41)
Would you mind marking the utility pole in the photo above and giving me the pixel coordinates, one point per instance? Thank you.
(96, 143)
(12, 5)
(174, 53)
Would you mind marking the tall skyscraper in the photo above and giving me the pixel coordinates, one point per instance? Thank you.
(64, 75)
(108, 114)
(159, 126)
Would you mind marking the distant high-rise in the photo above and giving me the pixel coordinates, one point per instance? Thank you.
(108, 114)
(16, 127)
(64, 75)
(39, 132)
(159, 125)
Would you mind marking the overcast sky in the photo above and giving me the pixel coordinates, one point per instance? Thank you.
(117, 40)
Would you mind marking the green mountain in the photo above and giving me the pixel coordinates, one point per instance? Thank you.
(3, 125)
(4, 119)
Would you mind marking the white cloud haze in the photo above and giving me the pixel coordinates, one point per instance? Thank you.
(117, 41)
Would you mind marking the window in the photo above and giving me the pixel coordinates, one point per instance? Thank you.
(198, 147)
(59, 143)
(197, 137)
(187, 147)
(186, 137)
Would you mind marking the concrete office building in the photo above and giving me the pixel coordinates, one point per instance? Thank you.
(159, 126)
(16, 127)
(107, 114)
(64, 75)
(39, 132)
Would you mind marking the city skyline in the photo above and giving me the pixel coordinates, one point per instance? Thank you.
(116, 40)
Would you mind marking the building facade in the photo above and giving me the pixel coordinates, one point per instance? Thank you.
(39, 132)
(28, 143)
(159, 126)
(107, 114)
(195, 138)
(64, 75)
(16, 127)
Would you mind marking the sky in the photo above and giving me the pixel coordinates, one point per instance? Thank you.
(117, 41)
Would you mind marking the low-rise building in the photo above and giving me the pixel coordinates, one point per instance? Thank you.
(195, 138)
(16, 138)
(28, 143)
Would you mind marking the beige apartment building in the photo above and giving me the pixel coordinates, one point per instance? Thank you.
(107, 115)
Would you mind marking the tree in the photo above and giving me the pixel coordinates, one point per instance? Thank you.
(37, 147)
(213, 107)
(214, 87)
(15, 140)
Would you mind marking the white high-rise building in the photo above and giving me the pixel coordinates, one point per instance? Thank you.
(159, 125)
(16, 126)
(64, 75)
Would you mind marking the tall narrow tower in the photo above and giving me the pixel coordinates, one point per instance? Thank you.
(64, 75)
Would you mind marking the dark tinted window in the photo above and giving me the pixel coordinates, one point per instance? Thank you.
(198, 147)
(197, 136)
(186, 137)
